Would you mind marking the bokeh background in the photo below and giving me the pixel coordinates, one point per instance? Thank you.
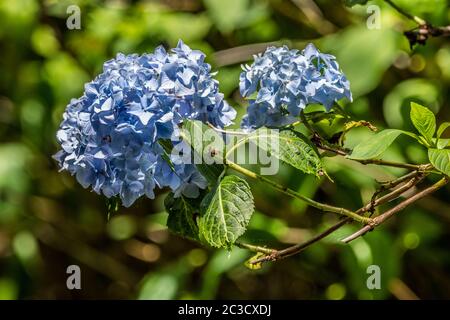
(48, 221)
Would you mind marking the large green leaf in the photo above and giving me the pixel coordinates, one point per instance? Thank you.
(225, 212)
(424, 121)
(440, 159)
(290, 147)
(376, 145)
(181, 220)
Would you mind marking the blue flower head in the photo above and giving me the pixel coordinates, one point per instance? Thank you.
(109, 136)
(282, 82)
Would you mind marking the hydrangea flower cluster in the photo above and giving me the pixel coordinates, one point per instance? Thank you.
(282, 82)
(109, 136)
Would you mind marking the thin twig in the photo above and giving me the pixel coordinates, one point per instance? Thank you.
(324, 145)
(290, 251)
(391, 164)
(382, 218)
(255, 248)
(417, 167)
(336, 151)
(386, 185)
(394, 194)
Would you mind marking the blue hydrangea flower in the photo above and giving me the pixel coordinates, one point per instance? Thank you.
(282, 82)
(109, 136)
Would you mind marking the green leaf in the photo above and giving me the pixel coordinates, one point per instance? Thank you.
(351, 3)
(205, 142)
(440, 159)
(424, 121)
(377, 144)
(210, 172)
(290, 147)
(225, 212)
(442, 128)
(181, 220)
(443, 143)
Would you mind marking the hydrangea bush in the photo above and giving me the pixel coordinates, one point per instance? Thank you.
(118, 139)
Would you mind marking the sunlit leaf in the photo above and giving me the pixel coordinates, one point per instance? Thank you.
(289, 146)
(440, 159)
(226, 211)
(376, 145)
(424, 121)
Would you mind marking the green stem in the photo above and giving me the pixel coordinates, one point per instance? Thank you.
(255, 248)
(292, 193)
(306, 123)
(380, 162)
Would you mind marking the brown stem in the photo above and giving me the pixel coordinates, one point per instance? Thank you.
(394, 194)
(273, 255)
(382, 218)
(290, 251)
(391, 164)
(393, 183)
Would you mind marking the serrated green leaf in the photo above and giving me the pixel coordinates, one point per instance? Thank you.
(442, 128)
(225, 212)
(182, 214)
(377, 144)
(440, 159)
(290, 147)
(351, 3)
(424, 121)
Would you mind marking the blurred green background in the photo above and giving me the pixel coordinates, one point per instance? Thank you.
(48, 221)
